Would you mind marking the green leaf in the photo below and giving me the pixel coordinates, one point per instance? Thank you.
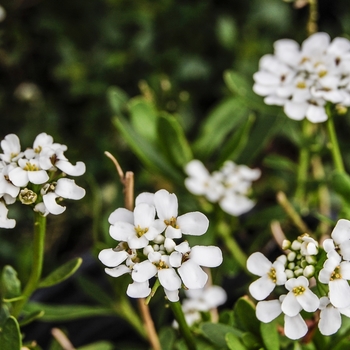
(62, 273)
(67, 312)
(173, 141)
(341, 184)
(101, 345)
(250, 341)
(149, 155)
(276, 161)
(216, 332)
(238, 141)
(31, 317)
(94, 291)
(239, 86)
(117, 99)
(220, 122)
(10, 284)
(167, 338)
(269, 335)
(233, 342)
(143, 117)
(10, 335)
(244, 311)
(4, 314)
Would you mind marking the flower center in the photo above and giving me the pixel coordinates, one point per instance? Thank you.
(171, 222)
(161, 265)
(272, 274)
(27, 197)
(38, 149)
(298, 290)
(336, 275)
(140, 231)
(30, 167)
(322, 73)
(301, 85)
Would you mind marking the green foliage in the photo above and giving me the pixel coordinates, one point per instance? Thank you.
(10, 336)
(62, 273)
(10, 284)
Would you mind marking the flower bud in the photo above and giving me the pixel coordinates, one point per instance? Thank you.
(309, 271)
(286, 244)
(298, 272)
(291, 256)
(296, 245)
(289, 273)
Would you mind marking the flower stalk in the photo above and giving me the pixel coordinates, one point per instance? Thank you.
(38, 258)
(183, 326)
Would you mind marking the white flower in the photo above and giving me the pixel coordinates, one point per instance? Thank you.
(189, 261)
(4, 221)
(340, 239)
(194, 223)
(8, 191)
(137, 228)
(336, 274)
(294, 326)
(64, 188)
(309, 246)
(11, 147)
(228, 186)
(330, 317)
(28, 171)
(303, 79)
(271, 274)
(300, 297)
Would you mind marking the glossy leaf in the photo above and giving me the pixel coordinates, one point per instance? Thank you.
(117, 99)
(10, 335)
(148, 154)
(270, 336)
(167, 338)
(67, 312)
(10, 284)
(31, 317)
(233, 342)
(224, 118)
(173, 140)
(143, 117)
(244, 311)
(62, 273)
(216, 332)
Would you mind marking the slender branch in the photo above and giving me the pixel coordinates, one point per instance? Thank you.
(184, 329)
(38, 258)
(128, 182)
(62, 339)
(293, 215)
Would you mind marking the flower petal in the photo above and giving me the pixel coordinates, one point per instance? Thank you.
(117, 271)
(262, 287)
(330, 321)
(70, 169)
(266, 311)
(339, 293)
(51, 205)
(194, 223)
(121, 214)
(169, 279)
(294, 327)
(166, 204)
(138, 290)
(258, 264)
(209, 256)
(192, 275)
(143, 271)
(111, 258)
(67, 188)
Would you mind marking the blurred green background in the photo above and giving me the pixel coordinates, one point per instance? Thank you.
(59, 59)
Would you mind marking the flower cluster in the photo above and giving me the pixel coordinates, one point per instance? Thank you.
(200, 301)
(298, 271)
(36, 176)
(303, 79)
(147, 246)
(228, 186)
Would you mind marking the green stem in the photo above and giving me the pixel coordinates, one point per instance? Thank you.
(337, 158)
(184, 329)
(225, 233)
(38, 258)
(304, 162)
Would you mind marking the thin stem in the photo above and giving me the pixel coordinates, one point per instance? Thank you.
(334, 146)
(225, 233)
(38, 258)
(183, 326)
(312, 26)
(290, 211)
(304, 161)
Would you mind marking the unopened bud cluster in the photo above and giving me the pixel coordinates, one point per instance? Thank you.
(301, 256)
